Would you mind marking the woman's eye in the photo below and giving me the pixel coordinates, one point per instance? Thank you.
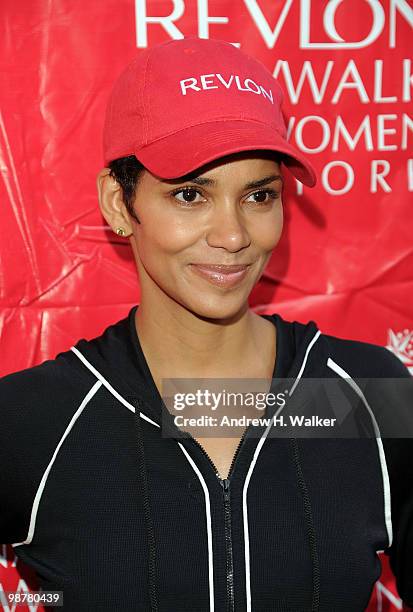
(261, 196)
(189, 195)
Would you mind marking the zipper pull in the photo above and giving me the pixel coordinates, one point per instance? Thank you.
(225, 484)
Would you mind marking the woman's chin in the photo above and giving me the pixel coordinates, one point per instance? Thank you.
(221, 308)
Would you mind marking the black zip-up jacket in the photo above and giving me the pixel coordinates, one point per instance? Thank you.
(119, 517)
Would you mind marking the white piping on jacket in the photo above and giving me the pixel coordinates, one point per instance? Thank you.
(249, 473)
(386, 482)
(42, 484)
(209, 527)
(109, 386)
(103, 381)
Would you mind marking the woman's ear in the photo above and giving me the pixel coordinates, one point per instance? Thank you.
(111, 202)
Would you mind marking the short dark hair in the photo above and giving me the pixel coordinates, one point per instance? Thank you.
(127, 171)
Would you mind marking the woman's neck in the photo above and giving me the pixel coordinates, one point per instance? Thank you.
(177, 343)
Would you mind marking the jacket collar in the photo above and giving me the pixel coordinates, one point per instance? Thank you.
(117, 355)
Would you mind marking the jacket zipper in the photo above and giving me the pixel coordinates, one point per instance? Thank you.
(231, 469)
(225, 483)
(228, 545)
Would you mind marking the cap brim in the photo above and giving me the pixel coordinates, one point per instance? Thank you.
(182, 152)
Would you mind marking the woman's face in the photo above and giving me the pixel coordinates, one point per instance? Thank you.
(229, 212)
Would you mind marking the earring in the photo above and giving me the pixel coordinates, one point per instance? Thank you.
(120, 231)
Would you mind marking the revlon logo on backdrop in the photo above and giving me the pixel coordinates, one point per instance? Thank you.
(309, 10)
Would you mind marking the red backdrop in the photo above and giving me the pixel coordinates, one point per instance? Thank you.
(346, 256)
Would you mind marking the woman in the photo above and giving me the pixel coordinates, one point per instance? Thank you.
(194, 144)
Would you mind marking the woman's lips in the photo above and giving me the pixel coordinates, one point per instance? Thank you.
(221, 275)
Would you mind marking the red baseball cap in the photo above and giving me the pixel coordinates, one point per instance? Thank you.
(186, 102)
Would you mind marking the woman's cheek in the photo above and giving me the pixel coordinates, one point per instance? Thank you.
(270, 232)
(173, 236)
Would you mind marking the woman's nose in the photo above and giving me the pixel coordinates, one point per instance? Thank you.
(227, 228)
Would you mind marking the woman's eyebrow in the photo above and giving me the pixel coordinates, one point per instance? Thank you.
(264, 181)
(199, 180)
